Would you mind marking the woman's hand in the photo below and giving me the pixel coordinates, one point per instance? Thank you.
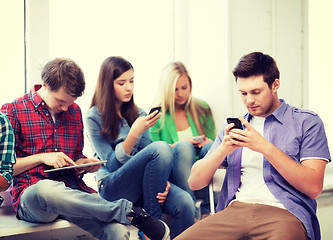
(204, 142)
(141, 124)
(163, 196)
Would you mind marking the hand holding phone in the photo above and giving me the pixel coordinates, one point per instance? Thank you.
(198, 138)
(154, 109)
(236, 121)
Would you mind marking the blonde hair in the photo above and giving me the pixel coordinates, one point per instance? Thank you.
(166, 98)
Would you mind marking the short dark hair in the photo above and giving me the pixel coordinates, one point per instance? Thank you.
(257, 63)
(62, 72)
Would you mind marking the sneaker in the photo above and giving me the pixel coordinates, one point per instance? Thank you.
(152, 227)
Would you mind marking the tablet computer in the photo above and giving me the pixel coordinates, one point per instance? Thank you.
(76, 166)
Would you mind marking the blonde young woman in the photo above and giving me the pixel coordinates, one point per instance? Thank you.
(183, 118)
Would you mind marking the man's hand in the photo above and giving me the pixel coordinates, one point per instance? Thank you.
(249, 138)
(163, 196)
(229, 144)
(89, 169)
(56, 159)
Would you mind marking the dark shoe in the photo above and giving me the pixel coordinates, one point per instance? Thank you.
(152, 227)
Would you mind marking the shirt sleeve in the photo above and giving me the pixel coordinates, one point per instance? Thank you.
(217, 143)
(210, 127)
(100, 144)
(314, 144)
(8, 157)
(155, 131)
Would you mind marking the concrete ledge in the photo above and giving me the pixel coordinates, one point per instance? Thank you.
(11, 226)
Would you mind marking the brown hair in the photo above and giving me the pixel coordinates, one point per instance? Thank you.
(62, 72)
(105, 99)
(257, 63)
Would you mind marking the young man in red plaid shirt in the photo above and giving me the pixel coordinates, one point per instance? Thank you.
(48, 131)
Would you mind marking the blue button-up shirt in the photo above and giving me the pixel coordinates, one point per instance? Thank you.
(298, 133)
(106, 149)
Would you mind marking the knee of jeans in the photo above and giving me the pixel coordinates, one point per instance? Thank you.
(184, 149)
(47, 187)
(186, 204)
(205, 149)
(163, 149)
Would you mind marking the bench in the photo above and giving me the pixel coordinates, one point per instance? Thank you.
(13, 228)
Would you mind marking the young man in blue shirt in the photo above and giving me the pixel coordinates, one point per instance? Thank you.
(274, 167)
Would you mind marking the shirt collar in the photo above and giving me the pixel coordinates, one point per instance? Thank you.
(35, 98)
(277, 114)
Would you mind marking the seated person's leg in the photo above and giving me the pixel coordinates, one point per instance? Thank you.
(47, 199)
(179, 205)
(274, 223)
(32, 206)
(102, 230)
(228, 224)
(183, 159)
(143, 176)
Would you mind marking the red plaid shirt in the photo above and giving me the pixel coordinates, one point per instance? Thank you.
(36, 132)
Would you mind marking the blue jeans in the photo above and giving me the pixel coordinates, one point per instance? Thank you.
(48, 200)
(184, 156)
(142, 178)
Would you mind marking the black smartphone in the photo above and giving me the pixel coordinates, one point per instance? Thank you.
(236, 121)
(154, 109)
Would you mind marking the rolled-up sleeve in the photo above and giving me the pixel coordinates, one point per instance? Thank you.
(121, 155)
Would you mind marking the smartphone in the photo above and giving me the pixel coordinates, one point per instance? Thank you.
(236, 121)
(198, 138)
(154, 109)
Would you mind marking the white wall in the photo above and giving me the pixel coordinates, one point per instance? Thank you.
(275, 27)
(38, 39)
(90, 31)
(149, 34)
(193, 31)
(320, 66)
(12, 78)
(201, 29)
